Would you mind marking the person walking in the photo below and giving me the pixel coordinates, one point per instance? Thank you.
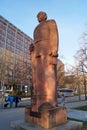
(11, 100)
(16, 101)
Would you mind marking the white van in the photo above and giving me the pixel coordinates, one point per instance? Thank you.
(66, 91)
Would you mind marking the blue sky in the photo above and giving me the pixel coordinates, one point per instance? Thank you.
(70, 16)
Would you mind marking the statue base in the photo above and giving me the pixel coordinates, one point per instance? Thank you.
(46, 118)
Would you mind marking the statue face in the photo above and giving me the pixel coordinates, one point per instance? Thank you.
(41, 16)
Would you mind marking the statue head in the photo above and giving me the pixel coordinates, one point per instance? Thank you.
(42, 16)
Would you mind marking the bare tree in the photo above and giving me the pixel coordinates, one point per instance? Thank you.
(2, 69)
(72, 79)
(81, 60)
(60, 74)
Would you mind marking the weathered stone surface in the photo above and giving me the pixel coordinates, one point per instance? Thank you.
(44, 59)
(48, 118)
(44, 51)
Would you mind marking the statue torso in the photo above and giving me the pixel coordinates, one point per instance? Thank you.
(41, 32)
(45, 37)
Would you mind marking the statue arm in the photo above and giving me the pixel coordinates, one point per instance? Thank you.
(54, 40)
(31, 48)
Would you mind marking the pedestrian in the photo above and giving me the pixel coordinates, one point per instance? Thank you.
(11, 100)
(63, 100)
(16, 101)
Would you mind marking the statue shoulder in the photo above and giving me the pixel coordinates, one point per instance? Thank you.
(51, 21)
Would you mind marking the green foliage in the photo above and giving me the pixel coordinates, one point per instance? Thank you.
(84, 108)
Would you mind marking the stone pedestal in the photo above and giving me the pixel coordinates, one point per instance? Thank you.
(46, 118)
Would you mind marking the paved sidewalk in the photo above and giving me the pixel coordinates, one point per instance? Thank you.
(76, 104)
(76, 114)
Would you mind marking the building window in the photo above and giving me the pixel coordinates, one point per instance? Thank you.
(13, 43)
(0, 24)
(2, 44)
(9, 35)
(3, 32)
(17, 46)
(9, 30)
(28, 45)
(3, 38)
(25, 55)
(21, 52)
(8, 47)
(17, 51)
(20, 47)
(4, 27)
(13, 38)
(25, 50)
(21, 43)
(8, 41)
(13, 33)
(1, 50)
(19, 37)
(13, 49)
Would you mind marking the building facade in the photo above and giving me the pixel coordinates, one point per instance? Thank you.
(15, 59)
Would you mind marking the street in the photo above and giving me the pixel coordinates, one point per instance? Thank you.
(72, 99)
(8, 115)
(27, 101)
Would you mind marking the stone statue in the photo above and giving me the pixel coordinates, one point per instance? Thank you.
(44, 111)
(44, 52)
